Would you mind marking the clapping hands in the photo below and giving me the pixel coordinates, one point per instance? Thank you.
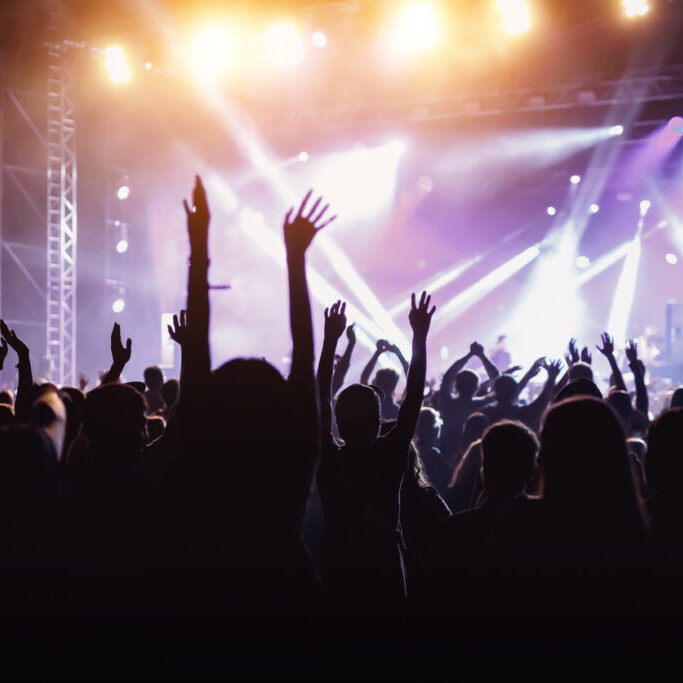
(17, 345)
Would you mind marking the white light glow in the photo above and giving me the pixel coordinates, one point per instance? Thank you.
(284, 44)
(594, 208)
(123, 192)
(644, 207)
(624, 292)
(635, 8)
(116, 64)
(213, 49)
(671, 258)
(575, 179)
(118, 305)
(551, 210)
(122, 246)
(582, 262)
(616, 130)
(319, 39)
(515, 15)
(303, 156)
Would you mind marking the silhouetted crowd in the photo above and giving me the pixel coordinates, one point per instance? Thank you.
(237, 515)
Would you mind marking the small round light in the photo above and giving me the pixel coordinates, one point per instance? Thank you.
(122, 246)
(148, 66)
(551, 210)
(582, 262)
(575, 179)
(319, 39)
(594, 208)
(303, 156)
(616, 130)
(118, 305)
(671, 259)
(645, 205)
(123, 192)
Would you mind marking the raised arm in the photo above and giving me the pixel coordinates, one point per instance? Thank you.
(607, 351)
(448, 379)
(420, 318)
(535, 409)
(638, 369)
(299, 231)
(335, 322)
(477, 350)
(343, 364)
(531, 372)
(22, 406)
(120, 355)
(3, 352)
(401, 358)
(178, 332)
(196, 352)
(382, 346)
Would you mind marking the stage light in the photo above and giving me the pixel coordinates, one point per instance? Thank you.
(319, 39)
(676, 125)
(417, 28)
(148, 66)
(212, 51)
(118, 305)
(551, 210)
(123, 192)
(575, 179)
(644, 207)
(515, 15)
(616, 130)
(594, 208)
(671, 259)
(635, 8)
(116, 64)
(582, 262)
(444, 353)
(303, 156)
(625, 291)
(122, 246)
(284, 44)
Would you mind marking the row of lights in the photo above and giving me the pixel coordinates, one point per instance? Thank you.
(415, 28)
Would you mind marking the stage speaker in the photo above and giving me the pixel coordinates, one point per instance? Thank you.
(674, 333)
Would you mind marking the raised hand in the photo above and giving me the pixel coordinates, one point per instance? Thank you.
(631, 351)
(351, 333)
(198, 216)
(82, 381)
(179, 330)
(300, 231)
(120, 355)
(420, 315)
(15, 343)
(607, 345)
(476, 349)
(586, 356)
(335, 320)
(383, 346)
(3, 352)
(552, 367)
(572, 355)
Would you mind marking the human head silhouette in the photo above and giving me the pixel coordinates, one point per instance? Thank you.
(169, 391)
(664, 459)
(677, 398)
(358, 414)
(508, 451)
(428, 427)
(579, 387)
(580, 370)
(387, 379)
(621, 402)
(506, 389)
(154, 378)
(466, 383)
(474, 427)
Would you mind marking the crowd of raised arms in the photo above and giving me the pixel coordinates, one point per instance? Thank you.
(238, 511)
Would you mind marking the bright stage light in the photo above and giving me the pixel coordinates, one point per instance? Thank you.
(515, 15)
(676, 125)
(212, 51)
(594, 208)
(123, 192)
(319, 39)
(671, 259)
(122, 246)
(116, 64)
(118, 305)
(616, 130)
(470, 296)
(624, 292)
(582, 262)
(303, 156)
(551, 210)
(635, 8)
(417, 28)
(575, 179)
(284, 44)
(644, 207)
(148, 66)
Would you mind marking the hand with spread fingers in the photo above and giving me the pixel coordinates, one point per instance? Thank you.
(302, 228)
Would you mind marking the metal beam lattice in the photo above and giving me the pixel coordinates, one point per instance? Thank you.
(61, 220)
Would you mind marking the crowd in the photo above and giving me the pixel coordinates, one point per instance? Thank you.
(236, 513)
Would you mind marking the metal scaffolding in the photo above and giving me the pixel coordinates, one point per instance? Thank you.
(61, 219)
